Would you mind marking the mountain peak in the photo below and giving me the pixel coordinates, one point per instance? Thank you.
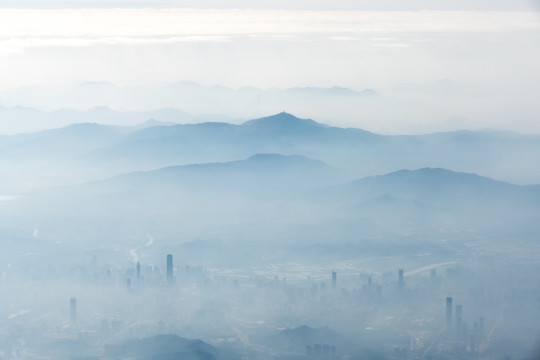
(279, 116)
(153, 122)
(282, 121)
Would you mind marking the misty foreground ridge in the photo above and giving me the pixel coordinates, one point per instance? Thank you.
(291, 239)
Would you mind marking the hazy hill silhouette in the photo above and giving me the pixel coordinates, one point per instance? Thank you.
(85, 152)
(440, 187)
(435, 198)
(167, 347)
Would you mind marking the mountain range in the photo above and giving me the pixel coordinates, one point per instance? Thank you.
(271, 199)
(421, 108)
(274, 180)
(85, 152)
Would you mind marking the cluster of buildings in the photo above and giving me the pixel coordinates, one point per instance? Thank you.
(402, 315)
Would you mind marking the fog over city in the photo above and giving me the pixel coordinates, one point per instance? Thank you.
(303, 180)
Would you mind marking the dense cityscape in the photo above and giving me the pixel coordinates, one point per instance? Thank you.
(442, 311)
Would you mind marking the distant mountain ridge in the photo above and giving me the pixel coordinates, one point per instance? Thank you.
(346, 148)
(435, 197)
(271, 187)
(180, 94)
(83, 152)
(438, 185)
(266, 175)
(19, 120)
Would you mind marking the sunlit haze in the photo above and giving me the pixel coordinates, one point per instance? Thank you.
(480, 65)
(269, 179)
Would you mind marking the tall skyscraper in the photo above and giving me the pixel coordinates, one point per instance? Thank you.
(73, 310)
(401, 284)
(169, 268)
(448, 313)
(138, 271)
(334, 280)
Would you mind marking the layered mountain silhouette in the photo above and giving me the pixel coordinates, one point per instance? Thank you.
(261, 174)
(85, 152)
(436, 198)
(272, 196)
(440, 187)
(198, 102)
(309, 187)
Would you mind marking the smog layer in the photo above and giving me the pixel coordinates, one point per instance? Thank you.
(273, 238)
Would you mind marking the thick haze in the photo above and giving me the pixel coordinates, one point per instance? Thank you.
(269, 180)
(433, 62)
(282, 248)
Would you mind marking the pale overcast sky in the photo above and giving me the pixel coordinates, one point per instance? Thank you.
(490, 45)
(525, 5)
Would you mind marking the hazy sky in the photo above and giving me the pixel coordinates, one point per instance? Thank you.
(491, 46)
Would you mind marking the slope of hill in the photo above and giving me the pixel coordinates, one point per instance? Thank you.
(276, 208)
(265, 176)
(167, 347)
(439, 186)
(279, 197)
(201, 197)
(431, 199)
